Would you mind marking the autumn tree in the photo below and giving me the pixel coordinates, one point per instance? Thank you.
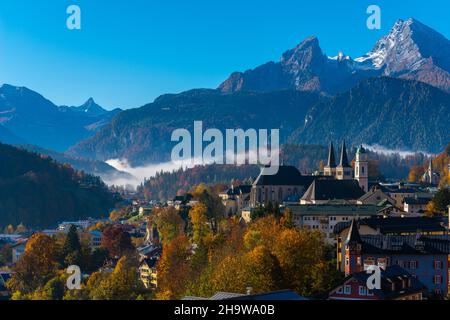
(54, 289)
(37, 265)
(169, 223)
(121, 284)
(116, 241)
(173, 268)
(288, 219)
(199, 221)
(441, 200)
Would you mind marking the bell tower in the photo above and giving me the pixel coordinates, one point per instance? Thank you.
(353, 251)
(344, 170)
(362, 168)
(330, 168)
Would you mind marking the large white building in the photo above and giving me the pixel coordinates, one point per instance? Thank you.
(324, 217)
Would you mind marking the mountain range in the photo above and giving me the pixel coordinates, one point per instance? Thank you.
(397, 96)
(27, 117)
(411, 50)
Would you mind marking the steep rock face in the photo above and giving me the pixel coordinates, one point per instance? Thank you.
(411, 50)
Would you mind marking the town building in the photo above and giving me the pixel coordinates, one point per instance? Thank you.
(395, 284)
(82, 224)
(17, 251)
(362, 168)
(415, 206)
(324, 217)
(375, 195)
(236, 198)
(95, 239)
(4, 277)
(393, 226)
(399, 193)
(343, 171)
(283, 295)
(322, 191)
(424, 257)
(430, 176)
(148, 273)
(277, 188)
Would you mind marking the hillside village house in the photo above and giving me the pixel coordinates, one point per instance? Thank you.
(288, 182)
(424, 257)
(416, 206)
(396, 284)
(235, 199)
(324, 217)
(148, 273)
(394, 226)
(324, 191)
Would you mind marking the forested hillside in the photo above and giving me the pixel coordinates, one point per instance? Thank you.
(38, 192)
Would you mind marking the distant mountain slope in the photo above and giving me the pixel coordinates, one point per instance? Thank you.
(395, 113)
(411, 50)
(36, 120)
(7, 136)
(143, 135)
(93, 167)
(38, 192)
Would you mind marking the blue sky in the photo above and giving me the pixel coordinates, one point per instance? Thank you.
(130, 52)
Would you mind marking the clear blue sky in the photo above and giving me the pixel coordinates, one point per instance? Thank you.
(130, 52)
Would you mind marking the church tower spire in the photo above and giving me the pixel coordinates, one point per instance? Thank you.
(330, 168)
(344, 170)
(353, 250)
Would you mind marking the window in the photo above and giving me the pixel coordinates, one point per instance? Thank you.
(438, 264)
(437, 279)
(413, 265)
(362, 290)
(347, 289)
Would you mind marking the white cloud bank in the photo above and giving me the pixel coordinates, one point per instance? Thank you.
(390, 152)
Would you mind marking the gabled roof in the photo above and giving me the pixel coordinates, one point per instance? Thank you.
(416, 201)
(286, 176)
(242, 189)
(404, 282)
(412, 245)
(276, 295)
(151, 262)
(333, 189)
(397, 225)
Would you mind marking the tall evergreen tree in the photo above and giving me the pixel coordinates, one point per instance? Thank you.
(72, 244)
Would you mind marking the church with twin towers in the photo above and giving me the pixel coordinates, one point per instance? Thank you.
(344, 170)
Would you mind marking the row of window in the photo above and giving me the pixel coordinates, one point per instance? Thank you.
(331, 218)
(347, 290)
(414, 264)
